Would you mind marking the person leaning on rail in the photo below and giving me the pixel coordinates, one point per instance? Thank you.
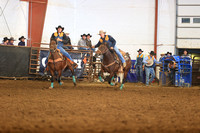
(22, 41)
(11, 41)
(5, 41)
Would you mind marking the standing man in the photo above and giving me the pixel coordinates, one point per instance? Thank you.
(149, 69)
(138, 65)
(89, 42)
(171, 69)
(111, 43)
(60, 37)
(11, 41)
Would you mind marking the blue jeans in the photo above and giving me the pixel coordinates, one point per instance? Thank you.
(119, 54)
(139, 73)
(62, 51)
(148, 71)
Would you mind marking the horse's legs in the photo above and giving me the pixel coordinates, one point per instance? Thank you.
(59, 77)
(52, 78)
(100, 74)
(122, 80)
(73, 77)
(111, 77)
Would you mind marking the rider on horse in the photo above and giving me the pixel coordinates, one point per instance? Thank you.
(111, 43)
(61, 39)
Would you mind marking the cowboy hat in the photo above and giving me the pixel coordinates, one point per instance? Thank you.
(89, 35)
(101, 32)
(60, 27)
(83, 35)
(140, 50)
(5, 39)
(22, 37)
(152, 53)
(12, 39)
(168, 53)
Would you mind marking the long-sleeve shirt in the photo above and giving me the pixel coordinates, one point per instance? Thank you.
(21, 44)
(109, 39)
(82, 42)
(137, 58)
(154, 60)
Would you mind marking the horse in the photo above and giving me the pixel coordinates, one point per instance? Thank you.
(58, 62)
(112, 65)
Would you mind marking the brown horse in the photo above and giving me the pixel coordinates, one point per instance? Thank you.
(112, 65)
(58, 62)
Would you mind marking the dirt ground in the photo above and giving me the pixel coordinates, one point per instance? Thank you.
(27, 106)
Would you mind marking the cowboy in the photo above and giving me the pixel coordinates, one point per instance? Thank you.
(149, 69)
(89, 42)
(111, 43)
(11, 41)
(82, 42)
(22, 41)
(168, 54)
(60, 37)
(138, 65)
(5, 41)
(162, 55)
(171, 70)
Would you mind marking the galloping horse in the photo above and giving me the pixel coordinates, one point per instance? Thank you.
(58, 62)
(112, 65)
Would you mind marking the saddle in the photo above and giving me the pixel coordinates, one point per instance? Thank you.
(124, 54)
(61, 57)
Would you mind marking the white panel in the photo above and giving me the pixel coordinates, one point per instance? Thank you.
(188, 1)
(14, 20)
(189, 32)
(189, 10)
(188, 43)
(166, 22)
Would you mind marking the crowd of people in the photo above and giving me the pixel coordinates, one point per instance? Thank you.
(148, 64)
(10, 41)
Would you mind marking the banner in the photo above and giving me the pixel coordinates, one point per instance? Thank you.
(77, 57)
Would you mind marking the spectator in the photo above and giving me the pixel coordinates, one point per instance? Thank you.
(185, 53)
(22, 41)
(82, 42)
(148, 62)
(89, 42)
(138, 65)
(171, 69)
(168, 54)
(11, 41)
(5, 41)
(67, 42)
(161, 56)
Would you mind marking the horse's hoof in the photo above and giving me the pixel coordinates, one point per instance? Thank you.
(121, 87)
(74, 84)
(61, 83)
(50, 87)
(112, 84)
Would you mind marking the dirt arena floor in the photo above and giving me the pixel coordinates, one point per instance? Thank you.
(28, 106)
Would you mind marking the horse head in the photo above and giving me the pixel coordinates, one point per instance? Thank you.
(53, 45)
(103, 48)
